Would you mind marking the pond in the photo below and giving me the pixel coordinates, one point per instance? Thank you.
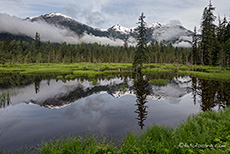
(36, 108)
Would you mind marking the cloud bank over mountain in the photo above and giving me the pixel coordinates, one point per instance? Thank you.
(56, 27)
(48, 32)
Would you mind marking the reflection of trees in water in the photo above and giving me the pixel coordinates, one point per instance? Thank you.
(5, 100)
(161, 75)
(212, 93)
(141, 85)
(11, 80)
(194, 89)
(37, 82)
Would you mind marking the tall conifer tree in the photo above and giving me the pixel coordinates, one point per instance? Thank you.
(221, 40)
(37, 41)
(140, 55)
(194, 53)
(208, 36)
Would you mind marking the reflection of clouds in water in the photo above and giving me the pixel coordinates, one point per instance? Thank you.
(103, 113)
(9, 124)
(94, 104)
(174, 101)
(88, 106)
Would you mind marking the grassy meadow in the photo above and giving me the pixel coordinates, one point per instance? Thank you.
(91, 70)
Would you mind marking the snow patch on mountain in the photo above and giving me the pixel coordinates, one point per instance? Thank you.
(156, 25)
(50, 15)
(121, 29)
(59, 14)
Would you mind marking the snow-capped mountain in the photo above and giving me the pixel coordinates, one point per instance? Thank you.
(175, 34)
(57, 27)
(120, 29)
(59, 19)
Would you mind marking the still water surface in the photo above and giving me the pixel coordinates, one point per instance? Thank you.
(48, 108)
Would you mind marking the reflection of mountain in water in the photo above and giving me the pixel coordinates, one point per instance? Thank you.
(172, 91)
(78, 93)
(205, 92)
(175, 89)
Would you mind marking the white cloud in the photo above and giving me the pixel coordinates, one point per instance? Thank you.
(48, 32)
(101, 40)
(170, 31)
(182, 44)
(15, 25)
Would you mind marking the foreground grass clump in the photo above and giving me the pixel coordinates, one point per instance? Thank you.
(76, 145)
(203, 133)
(207, 132)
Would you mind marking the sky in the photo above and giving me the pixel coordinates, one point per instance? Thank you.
(106, 13)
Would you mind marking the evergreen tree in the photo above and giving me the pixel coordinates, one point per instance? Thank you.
(194, 52)
(37, 41)
(227, 44)
(227, 52)
(208, 36)
(140, 55)
(221, 40)
(227, 32)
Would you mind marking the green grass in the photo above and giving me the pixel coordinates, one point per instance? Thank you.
(74, 145)
(94, 82)
(122, 88)
(206, 132)
(200, 71)
(159, 82)
(93, 69)
(207, 128)
(90, 74)
(154, 70)
(61, 68)
(70, 77)
(59, 77)
(217, 75)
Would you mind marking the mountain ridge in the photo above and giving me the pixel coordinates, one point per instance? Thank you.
(172, 33)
